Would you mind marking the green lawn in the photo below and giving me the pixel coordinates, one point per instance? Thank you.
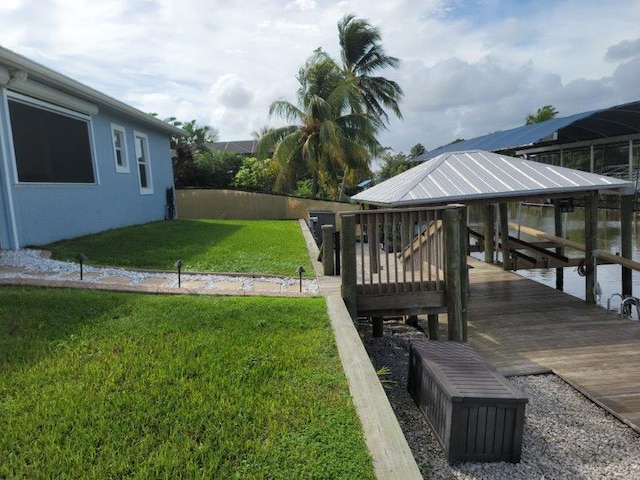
(244, 246)
(112, 385)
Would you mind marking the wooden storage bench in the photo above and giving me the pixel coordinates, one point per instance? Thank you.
(474, 411)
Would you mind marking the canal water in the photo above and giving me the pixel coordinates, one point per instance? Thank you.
(608, 276)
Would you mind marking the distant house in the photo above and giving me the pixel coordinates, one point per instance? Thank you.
(74, 161)
(242, 147)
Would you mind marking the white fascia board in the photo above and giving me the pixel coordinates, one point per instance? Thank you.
(42, 92)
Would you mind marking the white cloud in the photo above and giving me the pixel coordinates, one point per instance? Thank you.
(10, 4)
(468, 68)
(303, 5)
(232, 92)
(623, 50)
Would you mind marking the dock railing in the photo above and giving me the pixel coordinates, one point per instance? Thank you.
(405, 262)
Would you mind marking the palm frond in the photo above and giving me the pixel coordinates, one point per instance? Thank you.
(286, 110)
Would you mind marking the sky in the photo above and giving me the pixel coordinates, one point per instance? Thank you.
(468, 67)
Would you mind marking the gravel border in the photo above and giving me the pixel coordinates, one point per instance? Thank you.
(566, 436)
(33, 264)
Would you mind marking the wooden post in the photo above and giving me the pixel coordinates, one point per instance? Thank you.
(488, 219)
(328, 248)
(464, 269)
(559, 232)
(378, 323)
(411, 320)
(453, 273)
(349, 270)
(432, 321)
(590, 244)
(373, 235)
(626, 219)
(504, 235)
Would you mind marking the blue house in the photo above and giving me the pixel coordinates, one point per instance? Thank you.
(74, 161)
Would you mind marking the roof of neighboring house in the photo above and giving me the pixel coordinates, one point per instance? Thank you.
(17, 70)
(597, 124)
(246, 147)
(469, 176)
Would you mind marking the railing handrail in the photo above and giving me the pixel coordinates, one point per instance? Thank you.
(396, 210)
(613, 258)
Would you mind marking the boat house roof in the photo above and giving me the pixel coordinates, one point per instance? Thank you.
(480, 176)
(593, 126)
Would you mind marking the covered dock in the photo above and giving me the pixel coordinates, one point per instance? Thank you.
(489, 179)
(520, 326)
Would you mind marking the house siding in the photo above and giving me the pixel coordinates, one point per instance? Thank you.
(49, 212)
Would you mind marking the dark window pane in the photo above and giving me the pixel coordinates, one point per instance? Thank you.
(50, 147)
(143, 175)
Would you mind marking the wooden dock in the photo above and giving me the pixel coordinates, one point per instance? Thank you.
(524, 327)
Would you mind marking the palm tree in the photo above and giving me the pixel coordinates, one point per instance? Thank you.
(542, 115)
(340, 110)
(324, 137)
(417, 150)
(363, 55)
(185, 147)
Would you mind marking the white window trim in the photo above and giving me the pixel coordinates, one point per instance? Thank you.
(6, 146)
(47, 106)
(123, 150)
(149, 189)
(34, 102)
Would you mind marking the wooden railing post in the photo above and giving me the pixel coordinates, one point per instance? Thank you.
(373, 236)
(432, 325)
(626, 244)
(559, 232)
(504, 235)
(464, 270)
(328, 247)
(453, 272)
(590, 243)
(488, 219)
(349, 270)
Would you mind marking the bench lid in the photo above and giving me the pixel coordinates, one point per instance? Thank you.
(463, 373)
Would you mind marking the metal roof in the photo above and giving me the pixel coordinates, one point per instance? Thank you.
(463, 177)
(597, 124)
(245, 147)
(47, 77)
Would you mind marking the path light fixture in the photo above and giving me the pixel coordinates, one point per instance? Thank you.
(179, 267)
(81, 257)
(300, 272)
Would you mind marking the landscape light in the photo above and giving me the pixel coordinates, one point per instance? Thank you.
(179, 267)
(300, 272)
(81, 257)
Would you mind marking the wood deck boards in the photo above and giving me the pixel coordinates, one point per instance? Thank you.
(524, 327)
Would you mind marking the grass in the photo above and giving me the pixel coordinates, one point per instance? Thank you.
(113, 385)
(244, 246)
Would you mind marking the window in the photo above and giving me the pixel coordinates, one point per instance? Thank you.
(144, 165)
(51, 144)
(120, 148)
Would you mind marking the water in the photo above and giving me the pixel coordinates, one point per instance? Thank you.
(608, 276)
